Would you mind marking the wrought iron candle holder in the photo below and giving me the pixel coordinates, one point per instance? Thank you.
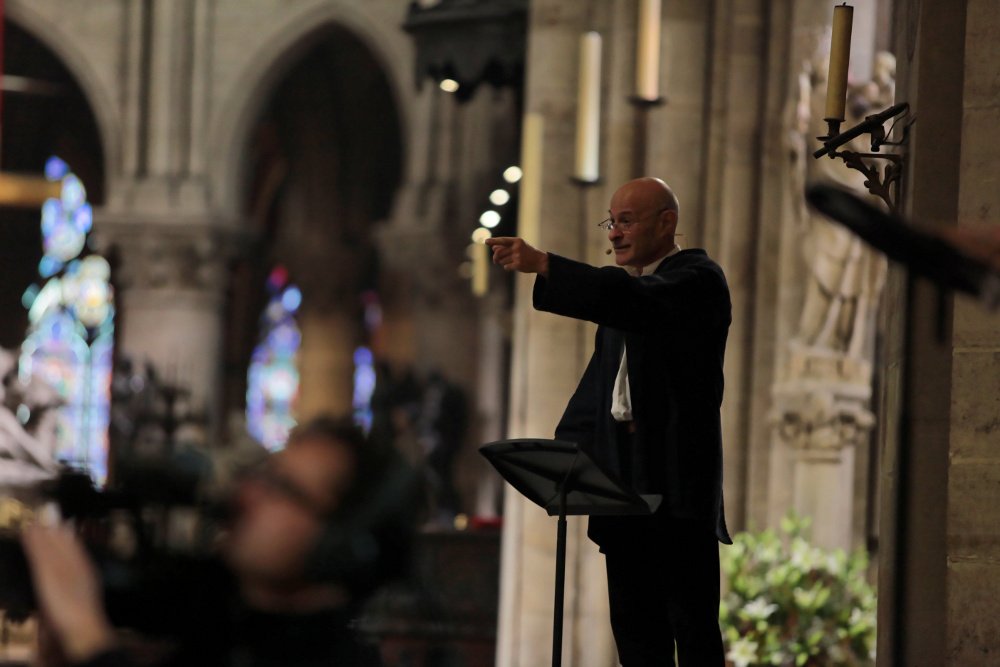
(881, 181)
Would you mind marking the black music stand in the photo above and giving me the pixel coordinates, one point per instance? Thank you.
(560, 478)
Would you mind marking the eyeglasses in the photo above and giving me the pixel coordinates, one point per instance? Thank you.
(624, 225)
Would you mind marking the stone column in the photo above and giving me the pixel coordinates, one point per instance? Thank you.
(170, 280)
(973, 535)
(939, 574)
(822, 416)
(550, 352)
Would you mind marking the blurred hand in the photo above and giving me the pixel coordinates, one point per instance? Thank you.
(513, 254)
(980, 241)
(68, 592)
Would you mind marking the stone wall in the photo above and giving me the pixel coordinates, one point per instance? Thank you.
(940, 475)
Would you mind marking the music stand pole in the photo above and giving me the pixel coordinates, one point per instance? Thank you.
(557, 622)
(560, 478)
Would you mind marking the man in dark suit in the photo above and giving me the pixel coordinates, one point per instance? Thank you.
(647, 409)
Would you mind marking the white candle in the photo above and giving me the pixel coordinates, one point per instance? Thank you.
(480, 269)
(588, 111)
(647, 55)
(840, 60)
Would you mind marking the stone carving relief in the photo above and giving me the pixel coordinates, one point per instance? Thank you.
(822, 397)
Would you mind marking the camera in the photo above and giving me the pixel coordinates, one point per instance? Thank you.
(150, 538)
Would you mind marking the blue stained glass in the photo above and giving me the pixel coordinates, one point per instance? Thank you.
(65, 242)
(273, 376)
(49, 266)
(74, 359)
(364, 387)
(51, 215)
(73, 193)
(291, 299)
(83, 218)
(57, 353)
(55, 169)
(362, 357)
(30, 295)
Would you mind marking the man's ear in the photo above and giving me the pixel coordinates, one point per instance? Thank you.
(668, 219)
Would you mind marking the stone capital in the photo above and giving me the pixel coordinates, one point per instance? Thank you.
(823, 404)
(155, 254)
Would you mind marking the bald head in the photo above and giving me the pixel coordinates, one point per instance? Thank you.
(650, 192)
(645, 211)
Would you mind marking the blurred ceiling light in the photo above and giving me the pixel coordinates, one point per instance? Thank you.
(499, 197)
(480, 235)
(490, 219)
(449, 85)
(512, 174)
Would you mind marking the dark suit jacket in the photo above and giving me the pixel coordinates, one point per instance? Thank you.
(674, 324)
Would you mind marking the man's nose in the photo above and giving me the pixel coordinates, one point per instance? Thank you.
(614, 233)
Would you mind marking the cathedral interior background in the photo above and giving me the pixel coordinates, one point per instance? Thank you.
(221, 218)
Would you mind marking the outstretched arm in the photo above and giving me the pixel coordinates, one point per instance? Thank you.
(979, 241)
(686, 296)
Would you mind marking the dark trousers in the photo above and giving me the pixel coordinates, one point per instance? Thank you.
(664, 588)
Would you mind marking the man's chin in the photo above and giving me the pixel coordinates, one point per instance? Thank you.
(622, 256)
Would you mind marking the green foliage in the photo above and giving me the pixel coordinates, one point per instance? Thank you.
(791, 603)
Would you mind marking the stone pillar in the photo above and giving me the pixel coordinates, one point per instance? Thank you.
(550, 352)
(822, 416)
(330, 334)
(171, 280)
(939, 574)
(973, 537)
(730, 192)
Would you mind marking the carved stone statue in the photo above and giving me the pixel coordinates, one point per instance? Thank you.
(27, 426)
(846, 278)
(823, 390)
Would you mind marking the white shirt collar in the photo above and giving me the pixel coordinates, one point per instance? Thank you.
(650, 269)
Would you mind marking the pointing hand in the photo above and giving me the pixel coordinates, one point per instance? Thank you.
(514, 254)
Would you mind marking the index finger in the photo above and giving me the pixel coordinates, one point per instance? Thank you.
(501, 241)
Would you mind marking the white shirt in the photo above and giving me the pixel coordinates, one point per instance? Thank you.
(621, 396)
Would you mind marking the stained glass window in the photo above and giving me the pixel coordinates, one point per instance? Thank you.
(364, 361)
(70, 341)
(364, 387)
(273, 377)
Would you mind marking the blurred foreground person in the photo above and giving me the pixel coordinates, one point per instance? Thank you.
(315, 529)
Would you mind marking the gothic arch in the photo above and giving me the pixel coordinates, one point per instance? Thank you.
(74, 58)
(277, 52)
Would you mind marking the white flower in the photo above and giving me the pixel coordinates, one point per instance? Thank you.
(801, 555)
(759, 609)
(834, 563)
(742, 652)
